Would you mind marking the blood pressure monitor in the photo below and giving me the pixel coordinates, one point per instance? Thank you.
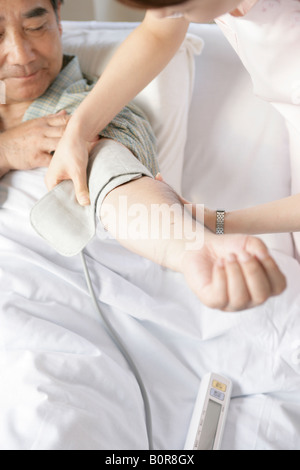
(210, 413)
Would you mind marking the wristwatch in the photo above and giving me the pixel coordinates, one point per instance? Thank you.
(220, 222)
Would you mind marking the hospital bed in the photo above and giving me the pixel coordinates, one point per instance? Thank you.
(64, 383)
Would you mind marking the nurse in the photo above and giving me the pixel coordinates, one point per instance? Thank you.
(266, 35)
(142, 56)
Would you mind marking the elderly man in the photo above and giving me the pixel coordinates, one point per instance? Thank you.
(42, 88)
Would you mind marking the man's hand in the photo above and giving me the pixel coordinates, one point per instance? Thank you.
(233, 273)
(30, 144)
(229, 272)
(70, 162)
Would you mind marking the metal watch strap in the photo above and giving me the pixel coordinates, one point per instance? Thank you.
(220, 222)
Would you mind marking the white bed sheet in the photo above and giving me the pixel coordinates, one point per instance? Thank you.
(66, 386)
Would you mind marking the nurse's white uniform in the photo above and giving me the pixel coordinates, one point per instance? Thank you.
(266, 36)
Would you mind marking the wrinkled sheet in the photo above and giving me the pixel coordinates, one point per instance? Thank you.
(66, 386)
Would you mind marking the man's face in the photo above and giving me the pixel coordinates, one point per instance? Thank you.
(30, 48)
(199, 11)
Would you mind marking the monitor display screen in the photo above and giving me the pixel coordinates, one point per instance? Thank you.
(210, 426)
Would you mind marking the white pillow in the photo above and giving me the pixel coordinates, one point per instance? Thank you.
(165, 101)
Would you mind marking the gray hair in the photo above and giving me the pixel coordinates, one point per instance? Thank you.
(55, 4)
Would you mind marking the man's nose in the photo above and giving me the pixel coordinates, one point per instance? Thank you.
(19, 50)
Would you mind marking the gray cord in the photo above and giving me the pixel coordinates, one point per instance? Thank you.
(119, 343)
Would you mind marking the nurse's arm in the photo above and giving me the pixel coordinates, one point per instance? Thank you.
(142, 56)
(282, 216)
(139, 59)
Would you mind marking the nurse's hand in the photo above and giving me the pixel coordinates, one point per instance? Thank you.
(70, 162)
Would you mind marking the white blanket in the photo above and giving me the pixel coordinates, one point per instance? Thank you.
(66, 386)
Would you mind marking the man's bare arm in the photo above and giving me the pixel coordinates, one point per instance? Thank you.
(230, 273)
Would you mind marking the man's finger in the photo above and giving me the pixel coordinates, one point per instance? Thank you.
(60, 119)
(238, 293)
(215, 294)
(49, 144)
(44, 160)
(276, 278)
(54, 132)
(220, 285)
(256, 278)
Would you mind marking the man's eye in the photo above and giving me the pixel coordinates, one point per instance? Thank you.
(32, 30)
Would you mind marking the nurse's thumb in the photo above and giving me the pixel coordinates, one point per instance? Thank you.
(82, 192)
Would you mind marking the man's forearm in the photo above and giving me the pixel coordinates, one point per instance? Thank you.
(157, 227)
(231, 273)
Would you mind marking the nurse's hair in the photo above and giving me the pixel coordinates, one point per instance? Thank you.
(148, 4)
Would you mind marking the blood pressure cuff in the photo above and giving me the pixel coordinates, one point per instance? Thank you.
(61, 221)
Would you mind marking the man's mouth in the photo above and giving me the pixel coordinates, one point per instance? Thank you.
(22, 76)
(27, 77)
